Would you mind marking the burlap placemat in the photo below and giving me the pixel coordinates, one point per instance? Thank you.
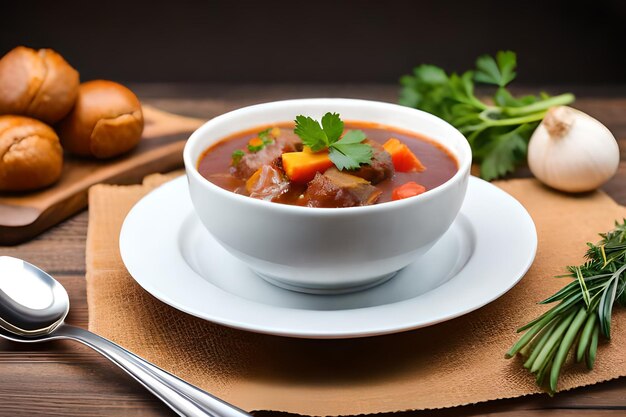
(453, 363)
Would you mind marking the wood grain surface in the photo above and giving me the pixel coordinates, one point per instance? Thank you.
(66, 379)
(25, 215)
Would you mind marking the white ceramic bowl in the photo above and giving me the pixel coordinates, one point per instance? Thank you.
(324, 250)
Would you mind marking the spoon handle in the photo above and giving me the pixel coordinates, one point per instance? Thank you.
(180, 396)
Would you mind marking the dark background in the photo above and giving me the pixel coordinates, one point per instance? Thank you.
(558, 42)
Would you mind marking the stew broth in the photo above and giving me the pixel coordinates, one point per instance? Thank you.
(215, 164)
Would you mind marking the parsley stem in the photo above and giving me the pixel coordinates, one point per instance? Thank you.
(513, 121)
(534, 117)
(539, 106)
(498, 130)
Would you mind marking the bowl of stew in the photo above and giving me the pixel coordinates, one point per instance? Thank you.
(304, 218)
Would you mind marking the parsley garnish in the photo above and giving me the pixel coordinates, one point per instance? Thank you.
(236, 156)
(255, 145)
(347, 152)
(498, 133)
(266, 136)
(262, 139)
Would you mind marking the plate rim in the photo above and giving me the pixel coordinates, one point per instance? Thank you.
(403, 324)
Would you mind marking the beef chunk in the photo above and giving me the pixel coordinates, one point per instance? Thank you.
(380, 168)
(288, 141)
(284, 141)
(338, 189)
(267, 183)
(252, 161)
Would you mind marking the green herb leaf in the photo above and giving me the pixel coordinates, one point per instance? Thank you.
(427, 90)
(236, 156)
(351, 137)
(507, 62)
(332, 126)
(488, 127)
(256, 148)
(499, 71)
(504, 151)
(503, 98)
(311, 133)
(583, 313)
(266, 136)
(347, 152)
(583, 286)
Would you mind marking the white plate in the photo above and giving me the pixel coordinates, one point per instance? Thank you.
(486, 251)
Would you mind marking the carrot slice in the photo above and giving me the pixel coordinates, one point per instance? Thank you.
(255, 144)
(301, 167)
(407, 190)
(254, 178)
(404, 160)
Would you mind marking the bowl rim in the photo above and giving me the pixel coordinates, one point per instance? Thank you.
(192, 169)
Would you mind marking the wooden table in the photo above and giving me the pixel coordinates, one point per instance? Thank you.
(66, 379)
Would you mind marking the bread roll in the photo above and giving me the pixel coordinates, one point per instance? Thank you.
(39, 84)
(106, 121)
(30, 154)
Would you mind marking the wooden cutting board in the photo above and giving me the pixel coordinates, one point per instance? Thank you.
(25, 215)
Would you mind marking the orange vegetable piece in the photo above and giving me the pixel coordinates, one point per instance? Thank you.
(254, 178)
(301, 167)
(256, 141)
(404, 160)
(407, 190)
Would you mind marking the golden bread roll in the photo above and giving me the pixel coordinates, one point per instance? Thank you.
(39, 84)
(30, 154)
(106, 121)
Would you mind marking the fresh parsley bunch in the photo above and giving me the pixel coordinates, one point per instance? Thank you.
(498, 131)
(347, 152)
(583, 313)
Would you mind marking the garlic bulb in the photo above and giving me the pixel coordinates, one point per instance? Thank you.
(571, 151)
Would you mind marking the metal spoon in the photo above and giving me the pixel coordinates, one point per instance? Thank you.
(33, 307)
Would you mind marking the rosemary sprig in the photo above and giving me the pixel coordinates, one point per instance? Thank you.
(582, 314)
